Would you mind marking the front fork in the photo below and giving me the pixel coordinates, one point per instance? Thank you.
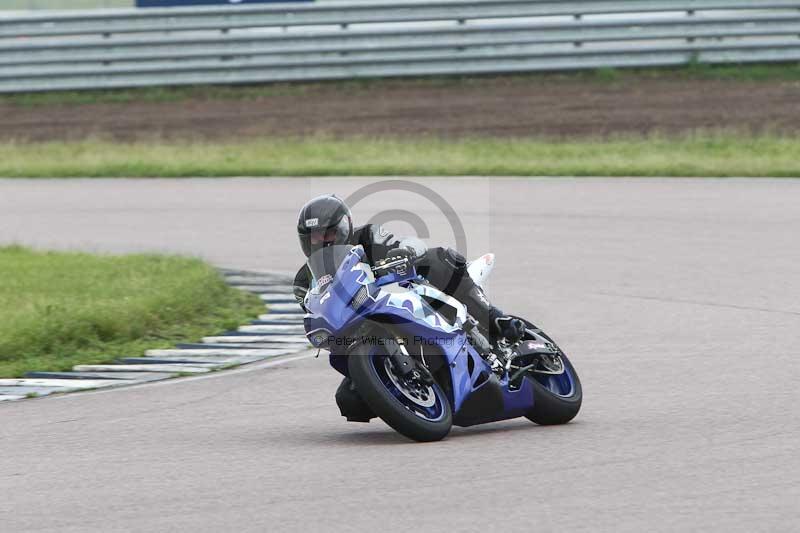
(405, 365)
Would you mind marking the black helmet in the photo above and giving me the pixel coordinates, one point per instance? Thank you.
(324, 221)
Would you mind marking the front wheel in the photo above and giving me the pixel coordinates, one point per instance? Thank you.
(420, 412)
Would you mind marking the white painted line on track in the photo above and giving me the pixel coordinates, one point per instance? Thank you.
(218, 352)
(214, 375)
(189, 369)
(36, 392)
(280, 317)
(273, 328)
(276, 282)
(284, 348)
(239, 339)
(286, 307)
(61, 383)
(259, 289)
(200, 362)
(127, 376)
(10, 397)
(277, 298)
(252, 367)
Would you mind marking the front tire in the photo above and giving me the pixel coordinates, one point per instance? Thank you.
(371, 370)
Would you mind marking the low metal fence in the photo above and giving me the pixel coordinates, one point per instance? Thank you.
(284, 42)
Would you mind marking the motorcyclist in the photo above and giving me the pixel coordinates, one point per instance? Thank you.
(327, 221)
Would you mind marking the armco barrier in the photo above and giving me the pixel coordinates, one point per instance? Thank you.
(279, 42)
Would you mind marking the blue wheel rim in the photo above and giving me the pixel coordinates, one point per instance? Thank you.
(562, 385)
(433, 413)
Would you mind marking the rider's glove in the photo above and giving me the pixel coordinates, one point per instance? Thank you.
(398, 260)
(510, 328)
(410, 253)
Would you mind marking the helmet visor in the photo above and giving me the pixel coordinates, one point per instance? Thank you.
(332, 235)
(323, 237)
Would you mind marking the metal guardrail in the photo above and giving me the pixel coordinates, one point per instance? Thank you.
(250, 44)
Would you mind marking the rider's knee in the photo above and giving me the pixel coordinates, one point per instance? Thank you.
(453, 259)
(445, 269)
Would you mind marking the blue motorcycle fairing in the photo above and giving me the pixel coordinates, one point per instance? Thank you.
(510, 403)
(329, 309)
(351, 297)
(395, 278)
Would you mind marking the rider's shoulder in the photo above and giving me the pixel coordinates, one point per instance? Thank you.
(303, 275)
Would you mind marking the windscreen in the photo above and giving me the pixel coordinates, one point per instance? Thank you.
(324, 262)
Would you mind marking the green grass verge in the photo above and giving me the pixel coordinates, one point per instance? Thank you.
(62, 309)
(767, 72)
(701, 154)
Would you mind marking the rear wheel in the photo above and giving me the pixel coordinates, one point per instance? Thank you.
(557, 398)
(557, 390)
(419, 411)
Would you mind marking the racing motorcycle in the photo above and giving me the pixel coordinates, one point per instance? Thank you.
(417, 360)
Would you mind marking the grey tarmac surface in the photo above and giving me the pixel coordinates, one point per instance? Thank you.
(676, 299)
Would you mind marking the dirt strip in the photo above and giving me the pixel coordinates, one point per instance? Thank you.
(550, 106)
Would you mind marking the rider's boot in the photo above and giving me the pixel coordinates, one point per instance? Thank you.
(350, 403)
(510, 328)
(500, 325)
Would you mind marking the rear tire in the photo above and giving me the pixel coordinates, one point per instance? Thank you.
(362, 360)
(552, 409)
(549, 408)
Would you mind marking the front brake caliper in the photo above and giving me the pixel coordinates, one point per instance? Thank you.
(406, 366)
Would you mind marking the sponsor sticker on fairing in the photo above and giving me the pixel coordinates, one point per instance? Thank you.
(312, 222)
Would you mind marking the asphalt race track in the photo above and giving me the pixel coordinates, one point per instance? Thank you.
(678, 301)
